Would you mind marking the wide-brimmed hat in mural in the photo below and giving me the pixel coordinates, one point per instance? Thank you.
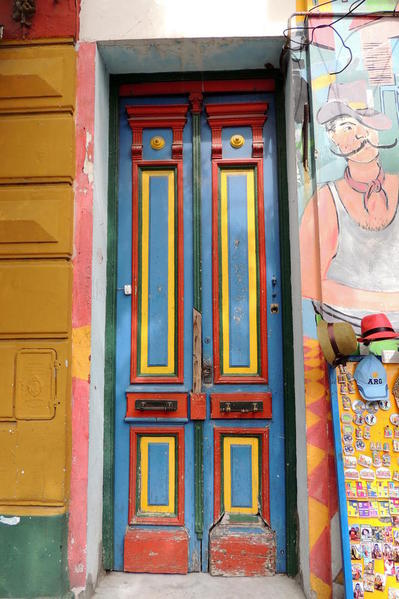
(375, 327)
(352, 99)
(337, 341)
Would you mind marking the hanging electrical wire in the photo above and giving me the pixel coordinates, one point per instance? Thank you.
(313, 28)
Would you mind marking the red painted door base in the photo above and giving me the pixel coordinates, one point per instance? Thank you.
(156, 551)
(242, 550)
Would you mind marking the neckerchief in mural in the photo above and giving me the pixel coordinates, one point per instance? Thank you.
(367, 189)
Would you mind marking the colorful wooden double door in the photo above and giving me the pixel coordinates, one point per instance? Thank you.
(199, 443)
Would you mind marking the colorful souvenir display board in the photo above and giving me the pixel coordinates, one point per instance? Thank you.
(366, 438)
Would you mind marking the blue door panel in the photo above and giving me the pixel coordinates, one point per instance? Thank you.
(274, 325)
(241, 476)
(239, 323)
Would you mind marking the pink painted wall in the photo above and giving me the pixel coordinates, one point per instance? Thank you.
(81, 313)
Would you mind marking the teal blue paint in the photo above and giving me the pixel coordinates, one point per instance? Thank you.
(33, 557)
(196, 54)
(158, 473)
(164, 153)
(237, 202)
(241, 475)
(158, 272)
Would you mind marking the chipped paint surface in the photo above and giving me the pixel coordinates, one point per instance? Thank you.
(81, 347)
(12, 521)
(88, 163)
(81, 313)
(171, 556)
(242, 550)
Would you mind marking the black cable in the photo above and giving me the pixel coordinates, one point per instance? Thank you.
(305, 44)
(344, 45)
(321, 26)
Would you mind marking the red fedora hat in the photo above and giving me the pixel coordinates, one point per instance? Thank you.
(375, 327)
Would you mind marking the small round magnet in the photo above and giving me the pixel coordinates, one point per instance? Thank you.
(372, 406)
(358, 406)
(359, 419)
(349, 450)
(370, 419)
(347, 439)
(384, 404)
(360, 445)
(394, 418)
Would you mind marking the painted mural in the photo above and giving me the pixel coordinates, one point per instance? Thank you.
(349, 224)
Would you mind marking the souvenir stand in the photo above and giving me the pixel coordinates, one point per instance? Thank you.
(366, 437)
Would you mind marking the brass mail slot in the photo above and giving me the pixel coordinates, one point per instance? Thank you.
(145, 405)
(241, 406)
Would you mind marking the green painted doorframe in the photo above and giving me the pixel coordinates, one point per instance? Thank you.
(288, 357)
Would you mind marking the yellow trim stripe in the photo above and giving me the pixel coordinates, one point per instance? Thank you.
(170, 367)
(144, 505)
(322, 81)
(253, 442)
(252, 275)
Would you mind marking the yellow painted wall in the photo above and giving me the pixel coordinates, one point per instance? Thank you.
(37, 141)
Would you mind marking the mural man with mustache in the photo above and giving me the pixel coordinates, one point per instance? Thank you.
(357, 252)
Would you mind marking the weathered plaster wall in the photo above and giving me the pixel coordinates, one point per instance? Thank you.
(292, 91)
(81, 314)
(154, 19)
(96, 425)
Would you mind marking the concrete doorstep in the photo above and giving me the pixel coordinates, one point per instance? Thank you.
(119, 585)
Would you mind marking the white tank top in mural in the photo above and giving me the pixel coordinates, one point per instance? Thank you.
(365, 259)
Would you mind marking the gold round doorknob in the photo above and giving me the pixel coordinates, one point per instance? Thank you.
(157, 142)
(237, 141)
